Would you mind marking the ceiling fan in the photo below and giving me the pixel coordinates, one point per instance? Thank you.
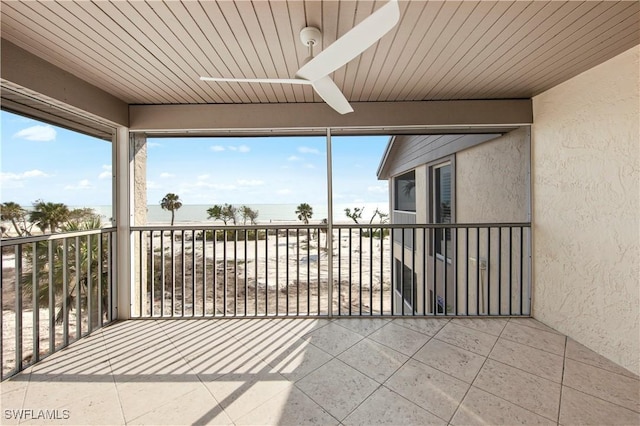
(316, 70)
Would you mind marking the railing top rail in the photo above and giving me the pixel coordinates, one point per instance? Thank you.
(48, 237)
(205, 227)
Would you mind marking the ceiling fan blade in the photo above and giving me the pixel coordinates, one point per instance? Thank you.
(258, 80)
(331, 94)
(353, 43)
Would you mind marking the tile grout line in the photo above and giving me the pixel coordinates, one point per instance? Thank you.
(476, 376)
(564, 364)
(113, 379)
(186, 361)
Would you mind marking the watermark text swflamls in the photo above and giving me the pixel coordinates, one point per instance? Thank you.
(33, 414)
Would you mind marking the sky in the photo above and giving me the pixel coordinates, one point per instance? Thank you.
(40, 161)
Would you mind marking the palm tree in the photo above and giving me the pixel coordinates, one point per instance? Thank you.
(304, 212)
(89, 257)
(172, 203)
(14, 212)
(49, 215)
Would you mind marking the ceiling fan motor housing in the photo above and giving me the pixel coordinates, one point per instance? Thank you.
(310, 36)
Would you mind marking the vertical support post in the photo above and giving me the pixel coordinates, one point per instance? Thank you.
(329, 242)
(122, 212)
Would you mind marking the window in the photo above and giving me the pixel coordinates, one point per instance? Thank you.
(442, 203)
(406, 284)
(405, 192)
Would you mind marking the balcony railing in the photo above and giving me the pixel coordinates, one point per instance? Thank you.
(55, 290)
(274, 270)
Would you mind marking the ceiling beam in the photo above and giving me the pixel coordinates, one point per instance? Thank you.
(23, 69)
(274, 118)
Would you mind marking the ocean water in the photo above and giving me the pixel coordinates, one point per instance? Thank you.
(267, 213)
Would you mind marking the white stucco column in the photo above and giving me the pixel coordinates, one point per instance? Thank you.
(123, 215)
(139, 192)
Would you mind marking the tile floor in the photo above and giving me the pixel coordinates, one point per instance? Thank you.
(326, 372)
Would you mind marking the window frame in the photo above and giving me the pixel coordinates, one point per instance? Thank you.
(396, 180)
(434, 190)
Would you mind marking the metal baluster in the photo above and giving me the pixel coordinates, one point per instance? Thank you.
(360, 271)
(65, 292)
(402, 245)
(52, 315)
(204, 272)
(100, 273)
(173, 273)
(308, 270)
(370, 271)
(392, 245)
(297, 261)
(277, 270)
(434, 235)
(318, 268)
(193, 273)
(500, 271)
(466, 269)
(381, 271)
(350, 266)
(235, 272)
(510, 270)
(339, 272)
(184, 270)
(18, 306)
(287, 271)
(521, 271)
(424, 271)
(36, 305)
(78, 290)
(163, 284)
(413, 268)
(153, 274)
(266, 269)
(478, 294)
(444, 269)
(488, 271)
(255, 270)
(89, 287)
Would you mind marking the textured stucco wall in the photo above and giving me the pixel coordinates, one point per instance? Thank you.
(492, 185)
(586, 207)
(492, 180)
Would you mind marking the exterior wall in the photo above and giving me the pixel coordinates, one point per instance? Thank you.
(586, 208)
(492, 180)
(492, 186)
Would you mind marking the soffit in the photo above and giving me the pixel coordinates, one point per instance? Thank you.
(152, 52)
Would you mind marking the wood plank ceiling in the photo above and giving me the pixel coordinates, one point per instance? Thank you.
(153, 52)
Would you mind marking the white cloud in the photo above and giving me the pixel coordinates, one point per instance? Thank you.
(153, 144)
(6, 177)
(37, 133)
(309, 166)
(204, 177)
(294, 158)
(82, 185)
(152, 185)
(166, 175)
(307, 150)
(218, 186)
(378, 189)
(34, 173)
(240, 148)
(250, 182)
(106, 173)
(284, 191)
(217, 148)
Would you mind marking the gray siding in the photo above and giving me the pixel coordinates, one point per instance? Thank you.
(408, 152)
